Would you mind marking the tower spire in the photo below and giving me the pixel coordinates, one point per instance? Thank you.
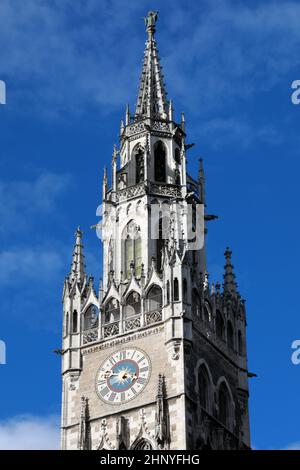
(152, 96)
(229, 276)
(78, 266)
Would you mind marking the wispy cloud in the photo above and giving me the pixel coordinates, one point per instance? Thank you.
(19, 265)
(88, 56)
(293, 446)
(22, 200)
(30, 433)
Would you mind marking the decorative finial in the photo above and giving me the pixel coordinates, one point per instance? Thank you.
(150, 22)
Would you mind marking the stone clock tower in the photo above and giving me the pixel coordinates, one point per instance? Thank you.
(157, 358)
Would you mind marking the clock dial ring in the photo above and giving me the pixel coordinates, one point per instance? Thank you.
(123, 375)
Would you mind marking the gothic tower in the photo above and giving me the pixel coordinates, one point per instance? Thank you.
(157, 358)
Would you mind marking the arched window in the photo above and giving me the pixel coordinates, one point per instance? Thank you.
(176, 289)
(133, 305)
(160, 162)
(177, 156)
(204, 388)
(230, 340)
(139, 166)
(196, 305)
(112, 311)
(184, 290)
(138, 255)
(91, 317)
(154, 299)
(224, 405)
(74, 322)
(132, 249)
(143, 444)
(240, 343)
(220, 330)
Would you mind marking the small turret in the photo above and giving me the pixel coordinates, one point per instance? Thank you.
(78, 267)
(229, 276)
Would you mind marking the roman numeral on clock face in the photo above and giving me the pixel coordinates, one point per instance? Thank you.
(104, 391)
(141, 380)
(122, 355)
(144, 369)
(112, 396)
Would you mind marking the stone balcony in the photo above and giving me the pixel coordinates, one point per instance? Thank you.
(115, 328)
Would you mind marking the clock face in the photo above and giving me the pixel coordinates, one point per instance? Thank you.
(123, 375)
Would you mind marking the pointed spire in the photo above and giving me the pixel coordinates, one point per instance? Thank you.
(152, 96)
(78, 266)
(229, 276)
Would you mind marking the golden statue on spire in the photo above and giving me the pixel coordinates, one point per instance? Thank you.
(150, 21)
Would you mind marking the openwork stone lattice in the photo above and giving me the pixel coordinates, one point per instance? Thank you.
(131, 191)
(111, 329)
(91, 335)
(133, 323)
(166, 190)
(153, 317)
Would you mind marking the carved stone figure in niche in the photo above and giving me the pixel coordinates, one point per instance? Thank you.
(122, 182)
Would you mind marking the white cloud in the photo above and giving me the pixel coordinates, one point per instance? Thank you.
(31, 263)
(22, 200)
(293, 446)
(30, 433)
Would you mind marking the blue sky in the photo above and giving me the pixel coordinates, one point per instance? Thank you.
(70, 68)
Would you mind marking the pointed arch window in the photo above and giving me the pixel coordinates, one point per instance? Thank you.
(143, 444)
(112, 311)
(176, 289)
(224, 405)
(240, 343)
(220, 329)
(133, 305)
(204, 388)
(230, 339)
(91, 317)
(74, 322)
(154, 299)
(196, 304)
(132, 250)
(160, 162)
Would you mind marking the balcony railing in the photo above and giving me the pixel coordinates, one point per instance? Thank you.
(89, 336)
(110, 329)
(115, 328)
(132, 323)
(153, 317)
